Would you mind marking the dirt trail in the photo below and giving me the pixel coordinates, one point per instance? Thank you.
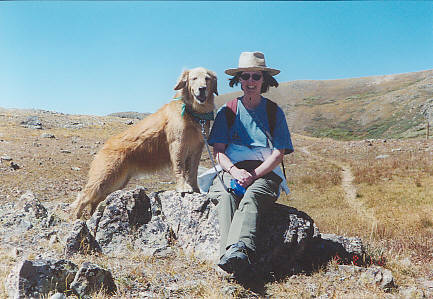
(349, 189)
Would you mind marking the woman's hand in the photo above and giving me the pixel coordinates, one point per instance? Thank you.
(243, 177)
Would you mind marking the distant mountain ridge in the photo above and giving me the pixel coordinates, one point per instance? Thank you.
(388, 106)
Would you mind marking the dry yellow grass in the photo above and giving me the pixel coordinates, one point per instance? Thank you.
(397, 190)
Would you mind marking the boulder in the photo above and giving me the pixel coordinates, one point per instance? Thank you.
(40, 277)
(92, 278)
(379, 276)
(119, 217)
(80, 240)
(156, 222)
(32, 122)
(290, 241)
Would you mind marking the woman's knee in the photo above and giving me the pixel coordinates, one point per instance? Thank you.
(225, 201)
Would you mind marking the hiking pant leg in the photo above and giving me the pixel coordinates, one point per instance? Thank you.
(227, 205)
(246, 220)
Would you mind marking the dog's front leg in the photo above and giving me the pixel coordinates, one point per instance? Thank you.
(192, 164)
(178, 156)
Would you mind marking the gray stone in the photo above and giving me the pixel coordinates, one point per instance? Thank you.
(35, 209)
(382, 156)
(5, 158)
(411, 292)
(286, 232)
(80, 240)
(32, 122)
(40, 277)
(129, 114)
(14, 166)
(290, 241)
(154, 238)
(379, 276)
(74, 125)
(118, 218)
(193, 221)
(58, 296)
(47, 135)
(91, 278)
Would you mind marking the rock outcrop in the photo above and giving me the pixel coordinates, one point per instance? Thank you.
(290, 240)
(39, 277)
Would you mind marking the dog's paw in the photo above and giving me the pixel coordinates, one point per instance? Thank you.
(184, 188)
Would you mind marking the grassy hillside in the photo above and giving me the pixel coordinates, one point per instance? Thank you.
(390, 106)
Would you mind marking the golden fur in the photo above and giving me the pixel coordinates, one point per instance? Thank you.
(161, 139)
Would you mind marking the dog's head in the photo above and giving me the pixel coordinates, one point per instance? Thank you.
(198, 87)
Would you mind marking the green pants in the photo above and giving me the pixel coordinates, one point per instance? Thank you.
(239, 220)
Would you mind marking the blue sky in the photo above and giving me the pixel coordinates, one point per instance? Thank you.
(101, 57)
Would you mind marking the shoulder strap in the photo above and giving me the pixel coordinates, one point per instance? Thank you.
(271, 110)
(231, 109)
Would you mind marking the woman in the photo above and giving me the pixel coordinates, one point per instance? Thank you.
(249, 154)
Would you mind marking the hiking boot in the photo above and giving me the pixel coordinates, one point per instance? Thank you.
(236, 259)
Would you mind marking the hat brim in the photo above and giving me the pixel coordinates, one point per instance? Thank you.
(233, 72)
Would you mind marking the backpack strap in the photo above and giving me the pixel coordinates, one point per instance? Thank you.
(231, 109)
(271, 110)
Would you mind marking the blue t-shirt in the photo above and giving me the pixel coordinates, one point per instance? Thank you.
(248, 128)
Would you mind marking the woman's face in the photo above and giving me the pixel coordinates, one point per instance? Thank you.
(251, 82)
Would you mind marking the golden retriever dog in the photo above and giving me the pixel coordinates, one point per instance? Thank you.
(170, 136)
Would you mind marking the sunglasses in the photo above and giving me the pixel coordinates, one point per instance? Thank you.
(246, 76)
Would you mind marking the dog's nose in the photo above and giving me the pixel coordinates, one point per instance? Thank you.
(202, 91)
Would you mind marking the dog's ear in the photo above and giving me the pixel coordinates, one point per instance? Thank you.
(181, 82)
(214, 83)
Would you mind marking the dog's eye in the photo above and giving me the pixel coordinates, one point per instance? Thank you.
(207, 78)
(195, 78)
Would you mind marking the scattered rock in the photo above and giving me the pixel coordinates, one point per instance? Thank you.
(382, 156)
(16, 252)
(58, 296)
(396, 150)
(47, 135)
(74, 125)
(32, 122)
(129, 114)
(411, 292)
(63, 151)
(91, 278)
(379, 276)
(40, 277)
(14, 166)
(129, 122)
(80, 240)
(5, 158)
(76, 168)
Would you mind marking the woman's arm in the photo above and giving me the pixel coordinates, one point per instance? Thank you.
(244, 177)
(269, 164)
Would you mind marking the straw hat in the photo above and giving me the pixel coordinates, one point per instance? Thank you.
(250, 62)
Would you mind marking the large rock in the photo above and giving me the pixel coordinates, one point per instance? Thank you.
(91, 278)
(80, 240)
(32, 122)
(191, 222)
(125, 219)
(290, 242)
(39, 277)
